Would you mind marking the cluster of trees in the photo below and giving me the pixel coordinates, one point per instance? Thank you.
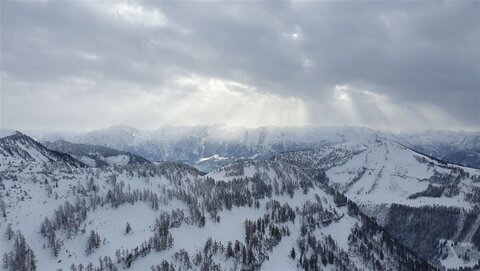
(321, 158)
(280, 213)
(164, 266)
(313, 254)
(205, 258)
(47, 229)
(174, 219)
(117, 196)
(69, 217)
(369, 242)
(3, 208)
(237, 251)
(313, 215)
(21, 258)
(202, 260)
(339, 199)
(379, 249)
(473, 196)
(261, 236)
(104, 264)
(421, 228)
(446, 184)
(173, 171)
(162, 239)
(432, 191)
(264, 233)
(466, 268)
(235, 169)
(238, 254)
(475, 178)
(454, 177)
(93, 242)
(126, 257)
(7, 175)
(210, 196)
(91, 187)
(182, 259)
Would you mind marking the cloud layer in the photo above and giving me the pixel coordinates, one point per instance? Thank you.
(387, 65)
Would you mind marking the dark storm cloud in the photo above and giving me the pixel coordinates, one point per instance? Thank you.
(389, 58)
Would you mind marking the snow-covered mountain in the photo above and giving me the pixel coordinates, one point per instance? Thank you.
(209, 147)
(96, 156)
(425, 203)
(299, 210)
(460, 147)
(251, 215)
(20, 150)
(386, 172)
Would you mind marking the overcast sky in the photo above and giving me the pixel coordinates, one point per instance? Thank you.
(391, 65)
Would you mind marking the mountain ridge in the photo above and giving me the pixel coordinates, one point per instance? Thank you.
(94, 155)
(23, 149)
(211, 146)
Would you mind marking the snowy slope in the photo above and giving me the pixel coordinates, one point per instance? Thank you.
(96, 156)
(382, 171)
(460, 147)
(407, 192)
(20, 150)
(181, 219)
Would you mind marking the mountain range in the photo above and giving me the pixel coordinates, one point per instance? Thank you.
(334, 198)
(209, 147)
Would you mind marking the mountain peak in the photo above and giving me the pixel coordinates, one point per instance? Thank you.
(122, 128)
(19, 147)
(17, 135)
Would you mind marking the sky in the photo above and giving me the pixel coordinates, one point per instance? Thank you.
(388, 65)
